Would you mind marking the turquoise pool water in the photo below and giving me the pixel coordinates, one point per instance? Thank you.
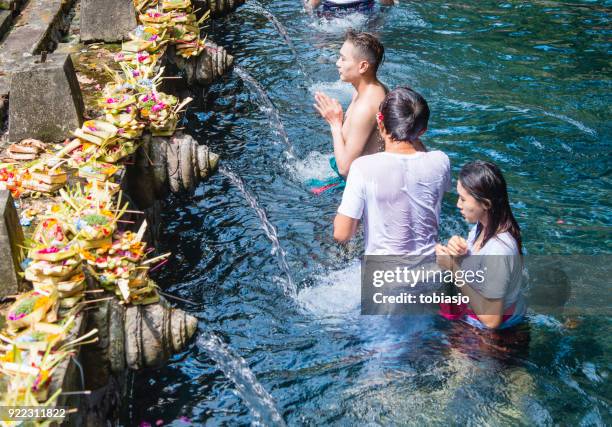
(524, 84)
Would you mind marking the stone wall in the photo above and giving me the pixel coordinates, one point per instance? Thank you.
(130, 337)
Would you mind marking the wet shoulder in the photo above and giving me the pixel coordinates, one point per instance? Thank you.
(501, 244)
(371, 99)
(438, 157)
(365, 162)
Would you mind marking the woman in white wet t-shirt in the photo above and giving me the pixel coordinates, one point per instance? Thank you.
(397, 193)
(493, 248)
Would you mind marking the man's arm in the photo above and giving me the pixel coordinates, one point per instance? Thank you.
(312, 4)
(350, 146)
(344, 228)
(352, 206)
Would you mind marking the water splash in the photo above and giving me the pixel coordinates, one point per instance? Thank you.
(340, 90)
(339, 25)
(282, 30)
(258, 400)
(314, 166)
(289, 286)
(336, 293)
(267, 107)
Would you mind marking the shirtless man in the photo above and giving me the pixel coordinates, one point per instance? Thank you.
(355, 134)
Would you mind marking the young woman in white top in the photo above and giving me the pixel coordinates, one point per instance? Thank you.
(493, 246)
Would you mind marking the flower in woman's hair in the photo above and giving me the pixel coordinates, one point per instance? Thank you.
(380, 117)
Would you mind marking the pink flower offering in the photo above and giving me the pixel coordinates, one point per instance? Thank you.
(142, 57)
(49, 250)
(158, 107)
(120, 130)
(111, 100)
(153, 37)
(13, 316)
(92, 128)
(135, 73)
(37, 383)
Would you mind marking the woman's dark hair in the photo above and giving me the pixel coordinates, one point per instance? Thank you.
(485, 182)
(405, 114)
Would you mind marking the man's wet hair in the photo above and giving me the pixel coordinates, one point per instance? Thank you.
(368, 46)
(405, 114)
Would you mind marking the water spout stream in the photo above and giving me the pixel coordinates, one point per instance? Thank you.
(282, 30)
(267, 107)
(237, 370)
(288, 287)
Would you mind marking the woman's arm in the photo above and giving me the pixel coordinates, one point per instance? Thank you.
(489, 311)
(494, 308)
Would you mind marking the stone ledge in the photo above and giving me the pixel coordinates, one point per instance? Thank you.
(6, 18)
(46, 101)
(37, 29)
(31, 33)
(107, 20)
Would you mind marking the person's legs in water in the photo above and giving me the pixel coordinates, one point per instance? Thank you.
(331, 10)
